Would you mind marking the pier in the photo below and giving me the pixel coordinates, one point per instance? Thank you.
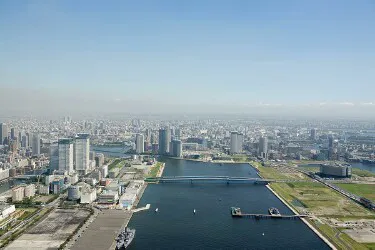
(142, 208)
(236, 212)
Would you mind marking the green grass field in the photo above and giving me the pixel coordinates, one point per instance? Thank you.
(268, 172)
(363, 190)
(362, 173)
(154, 170)
(116, 164)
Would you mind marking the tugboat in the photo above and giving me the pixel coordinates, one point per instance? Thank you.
(274, 212)
(124, 239)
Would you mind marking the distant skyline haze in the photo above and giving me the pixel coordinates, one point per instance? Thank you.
(267, 57)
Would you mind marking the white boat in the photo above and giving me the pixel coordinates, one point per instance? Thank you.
(156, 210)
(194, 211)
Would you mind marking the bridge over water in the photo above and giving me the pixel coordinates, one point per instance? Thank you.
(216, 179)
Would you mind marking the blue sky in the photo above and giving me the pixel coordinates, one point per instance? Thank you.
(190, 53)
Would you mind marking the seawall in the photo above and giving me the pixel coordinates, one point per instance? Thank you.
(303, 219)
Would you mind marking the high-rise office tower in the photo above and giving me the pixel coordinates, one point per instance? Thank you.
(82, 153)
(148, 134)
(263, 146)
(3, 133)
(164, 140)
(233, 142)
(139, 144)
(54, 157)
(176, 148)
(24, 141)
(66, 155)
(177, 134)
(313, 134)
(13, 133)
(35, 144)
(236, 141)
(330, 141)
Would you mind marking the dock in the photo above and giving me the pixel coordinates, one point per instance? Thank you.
(236, 212)
(142, 208)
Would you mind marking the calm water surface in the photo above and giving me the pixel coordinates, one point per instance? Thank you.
(212, 227)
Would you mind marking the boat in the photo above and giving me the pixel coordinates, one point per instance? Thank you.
(156, 210)
(274, 212)
(194, 211)
(235, 211)
(124, 238)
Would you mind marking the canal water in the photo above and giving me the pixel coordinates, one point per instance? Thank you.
(212, 227)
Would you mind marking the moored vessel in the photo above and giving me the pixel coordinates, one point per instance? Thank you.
(124, 238)
(274, 212)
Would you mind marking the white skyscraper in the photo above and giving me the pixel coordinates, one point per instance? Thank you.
(236, 141)
(82, 153)
(139, 143)
(35, 144)
(66, 155)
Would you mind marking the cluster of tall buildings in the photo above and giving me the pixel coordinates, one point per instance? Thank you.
(14, 139)
(168, 144)
(71, 154)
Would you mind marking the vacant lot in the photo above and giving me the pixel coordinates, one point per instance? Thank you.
(319, 199)
(52, 231)
(363, 190)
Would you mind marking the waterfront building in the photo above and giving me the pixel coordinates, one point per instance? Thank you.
(263, 147)
(82, 153)
(108, 197)
(164, 140)
(18, 193)
(35, 144)
(66, 155)
(176, 148)
(336, 170)
(3, 133)
(139, 144)
(236, 141)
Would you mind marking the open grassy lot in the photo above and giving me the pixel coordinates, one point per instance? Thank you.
(319, 199)
(363, 190)
(268, 172)
(362, 173)
(154, 170)
(116, 164)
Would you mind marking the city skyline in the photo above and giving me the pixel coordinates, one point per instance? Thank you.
(233, 57)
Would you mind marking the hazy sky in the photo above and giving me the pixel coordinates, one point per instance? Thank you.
(195, 55)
